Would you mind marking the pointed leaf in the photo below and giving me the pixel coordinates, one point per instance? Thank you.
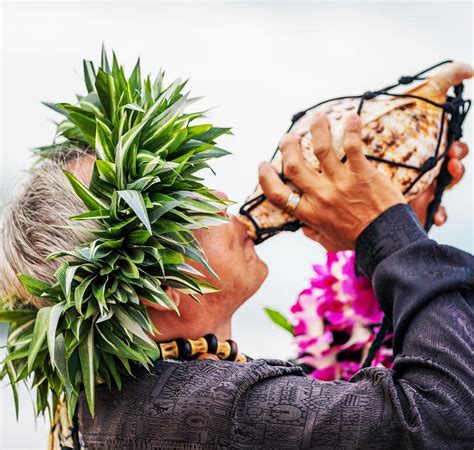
(86, 356)
(89, 75)
(91, 201)
(279, 319)
(32, 285)
(54, 316)
(39, 335)
(134, 199)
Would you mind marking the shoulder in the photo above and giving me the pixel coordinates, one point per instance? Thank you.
(204, 378)
(175, 401)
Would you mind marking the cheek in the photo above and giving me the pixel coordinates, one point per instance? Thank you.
(219, 246)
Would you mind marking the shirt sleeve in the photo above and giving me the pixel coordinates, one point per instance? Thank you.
(426, 399)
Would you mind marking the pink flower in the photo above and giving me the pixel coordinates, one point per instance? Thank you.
(335, 320)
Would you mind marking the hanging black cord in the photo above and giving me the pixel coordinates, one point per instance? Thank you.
(458, 113)
(385, 328)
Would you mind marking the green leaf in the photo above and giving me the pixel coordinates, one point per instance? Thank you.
(99, 293)
(56, 107)
(212, 134)
(139, 237)
(129, 269)
(88, 198)
(84, 120)
(105, 86)
(106, 170)
(104, 62)
(279, 319)
(79, 293)
(39, 335)
(53, 320)
(70, 273)
(158, 211)
(89, 75)
(61, 362)
(16, 316)
(86, 356)
(32, 285)
(103, 143)
(133, 327)
(92, 215)
(135, 80)
(109, 360)
(134, 199)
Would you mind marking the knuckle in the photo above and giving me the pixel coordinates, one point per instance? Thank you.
(288, 142)
(291, 168)
(322, 150)
(352, 144)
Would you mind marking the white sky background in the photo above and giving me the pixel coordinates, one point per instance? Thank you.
(258, 63)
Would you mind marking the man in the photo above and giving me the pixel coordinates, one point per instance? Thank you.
(425, 401)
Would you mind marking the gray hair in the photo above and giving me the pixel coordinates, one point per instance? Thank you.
(34, 225)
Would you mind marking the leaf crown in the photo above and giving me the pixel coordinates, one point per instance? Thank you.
(146, 198)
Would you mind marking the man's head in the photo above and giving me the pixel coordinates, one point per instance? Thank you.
(35, 225)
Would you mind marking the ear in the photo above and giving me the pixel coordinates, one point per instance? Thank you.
(172, 293)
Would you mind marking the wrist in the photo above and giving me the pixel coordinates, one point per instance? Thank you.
(392, 230)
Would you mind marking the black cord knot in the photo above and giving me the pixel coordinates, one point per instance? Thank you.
(429, 164)
(407, 80)
(369, 95)
(297, 116)
(449, 107)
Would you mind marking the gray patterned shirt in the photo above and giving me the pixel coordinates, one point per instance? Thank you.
(425, 401)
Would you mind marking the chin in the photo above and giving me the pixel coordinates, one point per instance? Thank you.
(257, 275)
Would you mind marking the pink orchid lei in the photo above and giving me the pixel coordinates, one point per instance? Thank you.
(337, 318)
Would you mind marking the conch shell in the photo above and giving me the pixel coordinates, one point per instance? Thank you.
(403, 130)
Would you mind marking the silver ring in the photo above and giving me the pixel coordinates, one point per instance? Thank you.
(292, 203)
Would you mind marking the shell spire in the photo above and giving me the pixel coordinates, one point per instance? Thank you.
(439, 83)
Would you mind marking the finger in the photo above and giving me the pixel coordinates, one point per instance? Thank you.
(275, 190)
(440, 216)
(458, 150)
(322, 144)
(456, 170)
(353, 144)
(295, 167)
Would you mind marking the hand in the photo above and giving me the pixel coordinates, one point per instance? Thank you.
(456, 152)
(339, 203)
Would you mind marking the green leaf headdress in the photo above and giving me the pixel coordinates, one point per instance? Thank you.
(145, 197)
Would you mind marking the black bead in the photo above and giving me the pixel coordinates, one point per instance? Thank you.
(184, 348)
(212, 343)
(234, 350)
(369, 95)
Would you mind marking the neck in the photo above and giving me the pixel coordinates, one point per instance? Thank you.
(171, 326)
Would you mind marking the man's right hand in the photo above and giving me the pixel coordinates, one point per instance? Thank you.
(340, 202)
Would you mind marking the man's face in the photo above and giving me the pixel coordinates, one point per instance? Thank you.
(232, 255)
